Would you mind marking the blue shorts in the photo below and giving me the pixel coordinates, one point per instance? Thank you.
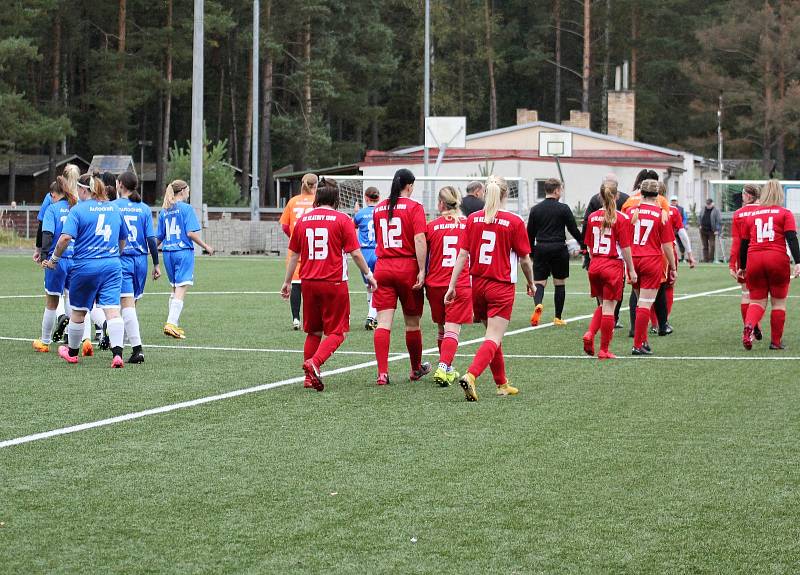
(57, 280)
(95, 281)
(134, 275)
(372, 259)
(179, 265)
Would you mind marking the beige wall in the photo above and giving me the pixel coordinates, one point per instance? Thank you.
(528, 139)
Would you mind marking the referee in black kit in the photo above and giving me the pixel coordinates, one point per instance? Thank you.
(546, 224)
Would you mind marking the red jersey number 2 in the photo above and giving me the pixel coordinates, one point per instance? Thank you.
(488, 240)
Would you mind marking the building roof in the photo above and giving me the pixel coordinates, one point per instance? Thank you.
(559, 128)
(113, 164)
(34, 165)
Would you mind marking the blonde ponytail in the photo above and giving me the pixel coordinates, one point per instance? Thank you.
(451, 198)
(608, 193)
(496, 192)
(772, 194)
(174, 187)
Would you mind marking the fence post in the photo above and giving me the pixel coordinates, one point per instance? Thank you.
(27, 223)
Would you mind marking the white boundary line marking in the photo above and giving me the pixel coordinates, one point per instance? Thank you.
(194, 293)
(266, 386)
(651, 357)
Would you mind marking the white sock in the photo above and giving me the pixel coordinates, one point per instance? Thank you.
(175, 309)
(444, 366)
(60, 307)
(74, 333)
(88, 328)
(131, 325)
(116, 331)
(98, 316)
(67, 306)
(48, 322)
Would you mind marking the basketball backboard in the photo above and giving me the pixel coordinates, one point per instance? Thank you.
(555, 144)
(445, 132)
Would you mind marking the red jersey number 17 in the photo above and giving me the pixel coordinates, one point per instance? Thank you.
(638, 238)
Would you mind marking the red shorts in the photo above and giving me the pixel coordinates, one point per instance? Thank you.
(459, 311)
(491, 298)
(768, 274)
(395, 276)
(607, 279)
(649, 272)
(326, 306)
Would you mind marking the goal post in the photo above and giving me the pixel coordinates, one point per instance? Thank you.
(351, 190)
(727, 194)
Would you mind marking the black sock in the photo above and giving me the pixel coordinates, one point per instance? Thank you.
(294, 300)
(538, 297)
(616, 311)
(559, 297)
(117, 351)
(660, 305)
(633, 301)
(137, 349)
(73, 352)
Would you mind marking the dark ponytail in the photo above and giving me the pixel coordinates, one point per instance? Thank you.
(402, 178)
(130, 182)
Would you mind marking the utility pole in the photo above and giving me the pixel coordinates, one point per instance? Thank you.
(196, 183)
(427, 90)
(254, 193)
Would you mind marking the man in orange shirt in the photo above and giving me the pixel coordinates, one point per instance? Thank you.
(295, 208)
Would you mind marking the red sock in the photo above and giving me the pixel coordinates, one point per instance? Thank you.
(482, 359)
(642, 321)
(311, 345)
(653, 317)
(744, 307)
(754, 314)
(414, 347)
(448, 349)
(777, 318)
(606, 331)
(670, 298)
(381, 341)
(326, 349)
(594, 325)
(498, 367)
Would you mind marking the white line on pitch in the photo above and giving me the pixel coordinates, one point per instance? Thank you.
(650, 357)
(194, 293)
(264, 387)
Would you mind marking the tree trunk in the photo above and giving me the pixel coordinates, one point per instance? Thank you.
(783, 50)
(221, 103)
(634, 44)
(265, 146)
(557, 99)
(160, 167)
(587, 54)
(462, 57)
(234, 130)
(374, 101)
(160, 175)
(56, 89)
(248, 132)
(487, 12)
(766, 142)
(307, 76)
(121, 136)
(606, 66)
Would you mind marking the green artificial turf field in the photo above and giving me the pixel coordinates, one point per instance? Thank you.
(686, 462)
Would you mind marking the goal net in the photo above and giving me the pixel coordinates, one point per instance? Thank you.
(727, 194)
(351, 191)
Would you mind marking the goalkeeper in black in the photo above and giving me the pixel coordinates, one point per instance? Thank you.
(546, 224)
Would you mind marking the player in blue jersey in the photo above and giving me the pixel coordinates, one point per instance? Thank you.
(177, 233)
(56, 281)
(70, 183)
(366, 240)
(141, 240)
(96, 277)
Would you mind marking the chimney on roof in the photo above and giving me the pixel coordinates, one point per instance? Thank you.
(578, 119)
(622, 107)
(526, 116)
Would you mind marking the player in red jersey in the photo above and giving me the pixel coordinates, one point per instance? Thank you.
(444, 236)
(400, 272)
(764, 264)
(323, 236)
(750, 195)
(662, 307)
(652, 237)
(608, 239)
(494, 241)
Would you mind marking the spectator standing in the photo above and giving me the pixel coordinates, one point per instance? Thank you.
(473, 200)
(710, 228)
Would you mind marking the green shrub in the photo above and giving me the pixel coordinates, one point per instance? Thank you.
(219, 184)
